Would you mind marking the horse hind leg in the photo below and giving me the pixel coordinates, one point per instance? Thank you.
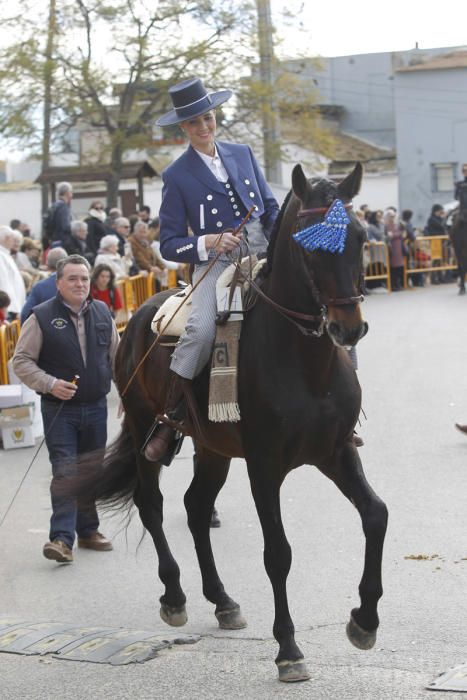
(210, 473)
(149, 501)
(348, 475)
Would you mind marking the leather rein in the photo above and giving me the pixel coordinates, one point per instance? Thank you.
(291, 315)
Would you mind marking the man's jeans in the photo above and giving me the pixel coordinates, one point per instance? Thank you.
(78, 428)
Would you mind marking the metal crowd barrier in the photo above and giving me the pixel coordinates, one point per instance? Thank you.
(376, 262)
(426, 254)
(429, 254)
(9, 335)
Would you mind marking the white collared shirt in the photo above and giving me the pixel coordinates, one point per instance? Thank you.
(216, 166)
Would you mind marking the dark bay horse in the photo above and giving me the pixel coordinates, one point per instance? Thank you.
(459, 241)
(299, 399)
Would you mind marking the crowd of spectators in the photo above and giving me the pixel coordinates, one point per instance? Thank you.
(115, 246)
(398, 234)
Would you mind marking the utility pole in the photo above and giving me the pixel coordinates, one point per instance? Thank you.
(48, 81)
(270, 114)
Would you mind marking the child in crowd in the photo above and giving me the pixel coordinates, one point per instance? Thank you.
(5, 302)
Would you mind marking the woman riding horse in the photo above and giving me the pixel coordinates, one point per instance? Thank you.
(210, 187)
(299, 400)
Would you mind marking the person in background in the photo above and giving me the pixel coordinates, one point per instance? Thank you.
(113, 213)
(103, 288)
(396, 249)
(133, 219)
(376, 232)
(47, 288)
(108, 255)
(121, 228)
(144, 214)
(460, 191)
(10, 277)
(5, 302)
(97, 228)
(436, 226)
(47, 358)
(59, 217)
(33, 249)
(77, 243)
(144, 255)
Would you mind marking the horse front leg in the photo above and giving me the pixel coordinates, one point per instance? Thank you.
(149, 501)
(210, 474)
(277, 561)
(347, 473)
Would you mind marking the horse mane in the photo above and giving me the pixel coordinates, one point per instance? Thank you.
(272, 241)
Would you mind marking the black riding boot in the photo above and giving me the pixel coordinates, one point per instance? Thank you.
(163, 442)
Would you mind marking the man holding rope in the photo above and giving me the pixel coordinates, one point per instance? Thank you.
(210, 189)
(66, 352)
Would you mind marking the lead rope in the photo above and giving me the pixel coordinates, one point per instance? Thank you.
(185, 299)
(73, 381)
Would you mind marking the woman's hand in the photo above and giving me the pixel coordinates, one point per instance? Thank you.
(223, 242)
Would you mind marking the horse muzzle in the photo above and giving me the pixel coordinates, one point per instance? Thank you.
(344, 334)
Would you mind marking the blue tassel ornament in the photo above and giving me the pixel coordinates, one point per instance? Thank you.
(330, 235)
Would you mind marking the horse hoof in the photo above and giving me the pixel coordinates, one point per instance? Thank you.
(175, 617)
(461, 291)
(231, 619)
(293, 671)
(359, 637)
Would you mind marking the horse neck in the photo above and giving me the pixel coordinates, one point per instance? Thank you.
(289, 281)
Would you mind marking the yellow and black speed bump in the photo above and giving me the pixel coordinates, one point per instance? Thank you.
(99, 645)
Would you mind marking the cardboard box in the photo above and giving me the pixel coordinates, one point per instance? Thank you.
(10, 395)
(17, 416)
(18, 436)
(16, 424)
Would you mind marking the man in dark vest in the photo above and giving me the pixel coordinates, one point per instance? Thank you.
(67, 337)
(460, 192)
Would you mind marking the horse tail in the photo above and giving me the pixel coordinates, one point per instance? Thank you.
(109, 481)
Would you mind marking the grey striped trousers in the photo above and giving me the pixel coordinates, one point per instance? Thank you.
(195, 346)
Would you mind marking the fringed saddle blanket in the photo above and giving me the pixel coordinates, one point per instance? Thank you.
(170, 321)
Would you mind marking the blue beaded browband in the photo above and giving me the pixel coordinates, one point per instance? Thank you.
(329, 235)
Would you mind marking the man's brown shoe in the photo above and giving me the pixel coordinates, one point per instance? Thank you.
(462, 428)
(58, 551)
(95, 541)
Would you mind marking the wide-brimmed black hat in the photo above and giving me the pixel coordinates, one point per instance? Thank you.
(190, 99)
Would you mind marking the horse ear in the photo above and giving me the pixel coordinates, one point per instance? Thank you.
(299, 182)
(350, 187)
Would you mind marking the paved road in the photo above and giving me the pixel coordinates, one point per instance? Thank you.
(414, 378)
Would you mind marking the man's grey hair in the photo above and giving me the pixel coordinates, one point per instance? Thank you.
(63, 188)
(78, 225)
(71, 260)
(55, 254)
(5, 232)
(121, 221)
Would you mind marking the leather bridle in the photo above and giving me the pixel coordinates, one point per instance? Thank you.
(296, 316)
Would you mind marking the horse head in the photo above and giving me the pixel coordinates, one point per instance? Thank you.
(329, 241)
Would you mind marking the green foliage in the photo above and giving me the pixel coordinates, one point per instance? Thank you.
(111, 65)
